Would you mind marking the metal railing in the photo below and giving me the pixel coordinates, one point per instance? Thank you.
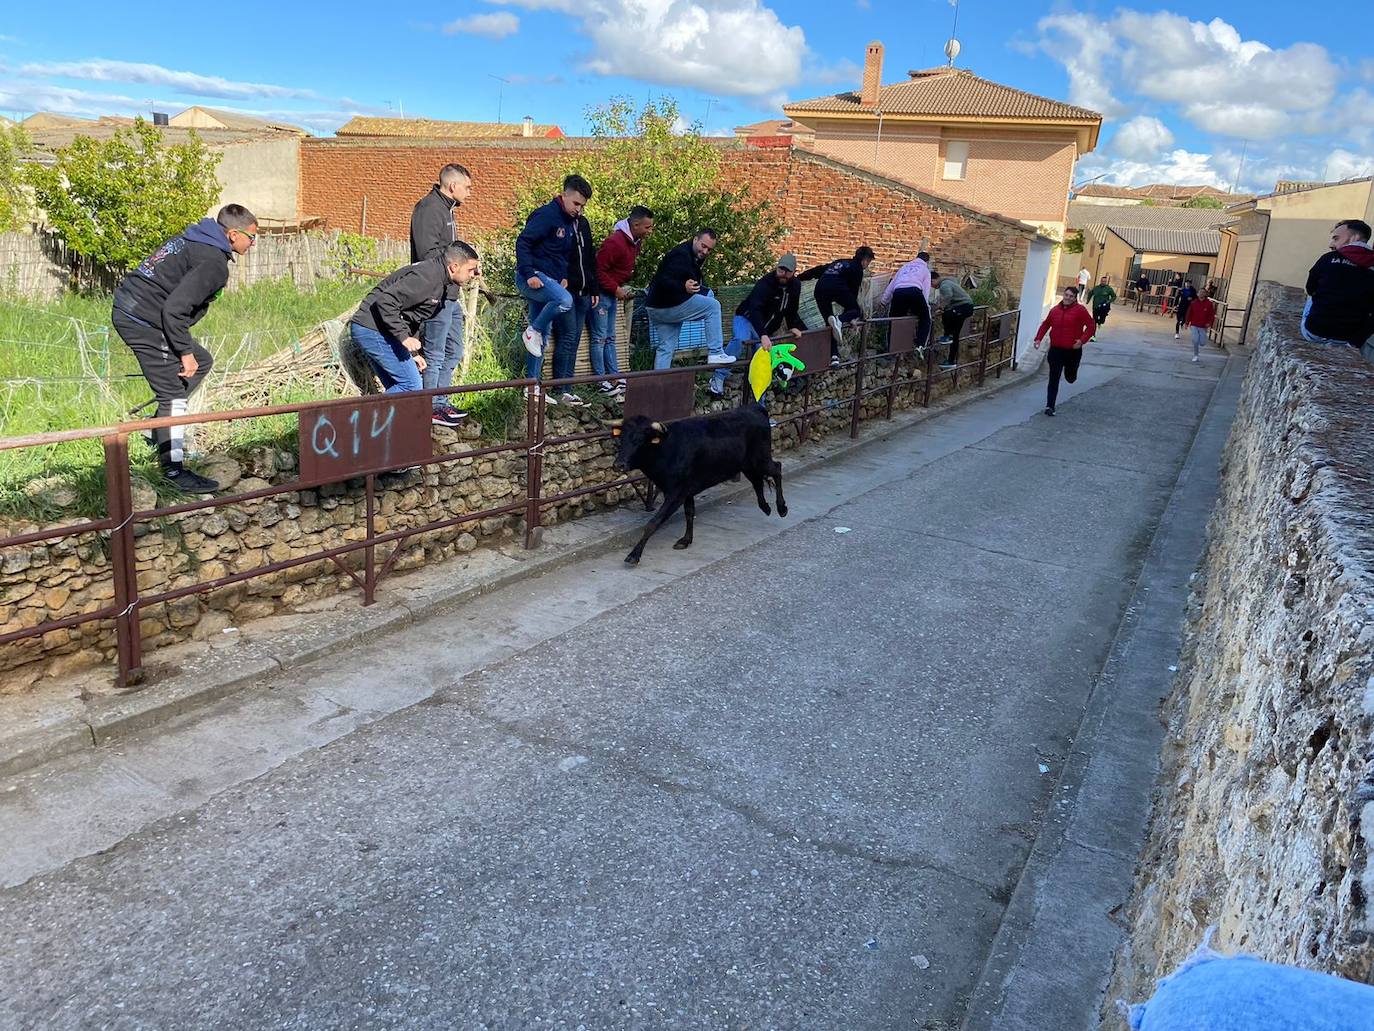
(666, 394)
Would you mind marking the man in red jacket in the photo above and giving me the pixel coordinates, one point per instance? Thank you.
(1202, 312)
(1070, 327)
(615, 267)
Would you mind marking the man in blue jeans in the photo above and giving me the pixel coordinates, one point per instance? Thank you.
(615, 267)
(678, 294)
(432, 228)
(386, 326)
(542, 251)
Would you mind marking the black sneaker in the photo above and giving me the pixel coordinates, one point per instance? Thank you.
(834, 361)
(191, 483)
(1049, 410)
(446, 417)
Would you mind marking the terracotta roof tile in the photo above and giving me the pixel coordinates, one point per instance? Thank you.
(950, 91)
(429, 128)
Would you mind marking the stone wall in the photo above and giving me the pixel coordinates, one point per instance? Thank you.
(47, 582)
(1265, 806)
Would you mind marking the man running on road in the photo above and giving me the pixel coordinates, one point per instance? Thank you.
(1070, 327)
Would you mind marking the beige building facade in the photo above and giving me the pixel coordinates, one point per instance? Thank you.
(1277, 237)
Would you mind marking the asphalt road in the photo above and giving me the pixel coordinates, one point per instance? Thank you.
(790, 783)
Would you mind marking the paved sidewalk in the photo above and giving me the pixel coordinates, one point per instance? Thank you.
(791, 777)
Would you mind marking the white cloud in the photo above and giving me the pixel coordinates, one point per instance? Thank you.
(1177, 166)
(1142, 138)
(1221, 82)
(722, 47)
(99, 70)
(22, 97)
(494, 25)
(841, 73)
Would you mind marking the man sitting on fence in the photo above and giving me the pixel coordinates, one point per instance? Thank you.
(772, 302)
(678, 294)
(1340, 290)
(433, 226)
(908, 293)
(386, 326)
(956, 308)
(838, 283)
(155, 306)
(615, 267)
(542, 251)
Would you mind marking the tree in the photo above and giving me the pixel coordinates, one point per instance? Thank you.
(676, 174)
(1203, 201)
(1073, 243)
(14, 196)
(114, 201)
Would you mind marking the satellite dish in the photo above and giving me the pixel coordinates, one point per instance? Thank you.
(952, 50)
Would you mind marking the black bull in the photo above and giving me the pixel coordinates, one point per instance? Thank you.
(684, 459)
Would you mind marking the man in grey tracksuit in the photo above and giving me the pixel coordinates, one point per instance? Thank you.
(432, 228)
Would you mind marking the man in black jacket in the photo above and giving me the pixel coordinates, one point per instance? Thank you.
(432, 228)
(678, 293)
(1340, 290)
(838, 283)
(771, 303)
(387, 324)
(155, 306)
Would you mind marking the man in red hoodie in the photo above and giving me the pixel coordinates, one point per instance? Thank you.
(615, 267)
(1340, 290)
(1070, 327)
(1202, 312)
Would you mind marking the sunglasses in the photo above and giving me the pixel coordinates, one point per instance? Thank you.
(252, 237)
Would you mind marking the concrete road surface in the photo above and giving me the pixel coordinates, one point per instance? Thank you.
(790, 778)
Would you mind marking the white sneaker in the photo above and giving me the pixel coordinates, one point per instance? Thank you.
(836, 330)
(533, 341)
(1175, 336)
(1194, 357)
(720, 359)
(571, 400)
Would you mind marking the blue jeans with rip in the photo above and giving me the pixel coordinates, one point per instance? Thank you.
(567, 330)
(668, 324)
(546, 304)
(443, 349)
(604, 361)
(742, 335)
(388, 357)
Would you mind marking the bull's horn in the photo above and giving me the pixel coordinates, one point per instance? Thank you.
(659, 428)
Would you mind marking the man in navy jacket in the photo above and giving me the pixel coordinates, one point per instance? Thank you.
(542, 251)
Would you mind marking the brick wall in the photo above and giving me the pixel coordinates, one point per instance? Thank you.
(828, 206)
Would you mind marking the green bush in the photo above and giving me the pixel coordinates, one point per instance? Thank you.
(15, 208)
(115, 201)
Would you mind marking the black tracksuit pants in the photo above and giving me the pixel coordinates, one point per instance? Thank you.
(911, 300)
(1062, 360)
(1181, 315)
(162, 369)
(830, 296)
(954, 320)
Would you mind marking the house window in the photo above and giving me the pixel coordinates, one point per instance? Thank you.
(956, 160)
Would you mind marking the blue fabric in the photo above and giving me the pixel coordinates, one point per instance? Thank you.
(207, 230)
(604, 360)
(567, 335)
(388, 357)
(668, 324)
(546, 303)
(443, 349)
(1212, 992)
(545, 244)
(741, 336)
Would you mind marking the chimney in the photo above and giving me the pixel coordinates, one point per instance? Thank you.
(527, 126)
(873, 75)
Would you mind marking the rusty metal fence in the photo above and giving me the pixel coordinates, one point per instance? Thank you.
(371, 435)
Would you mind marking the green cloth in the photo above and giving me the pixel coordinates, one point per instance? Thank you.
(951, 293)
(1100, 295)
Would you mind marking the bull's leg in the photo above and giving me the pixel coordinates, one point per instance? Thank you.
(775, 473)
(671, 503)
(689, 509)
(756, 477)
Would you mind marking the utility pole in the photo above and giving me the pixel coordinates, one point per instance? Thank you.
(1235, 186)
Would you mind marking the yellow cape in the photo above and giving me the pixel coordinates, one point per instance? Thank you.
(760, 372)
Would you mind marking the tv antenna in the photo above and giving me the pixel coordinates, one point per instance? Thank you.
(500, 93)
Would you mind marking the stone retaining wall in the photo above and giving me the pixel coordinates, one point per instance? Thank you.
(1265, 805)
(43, 583)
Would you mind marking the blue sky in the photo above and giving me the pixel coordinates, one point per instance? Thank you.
(1186, 94)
